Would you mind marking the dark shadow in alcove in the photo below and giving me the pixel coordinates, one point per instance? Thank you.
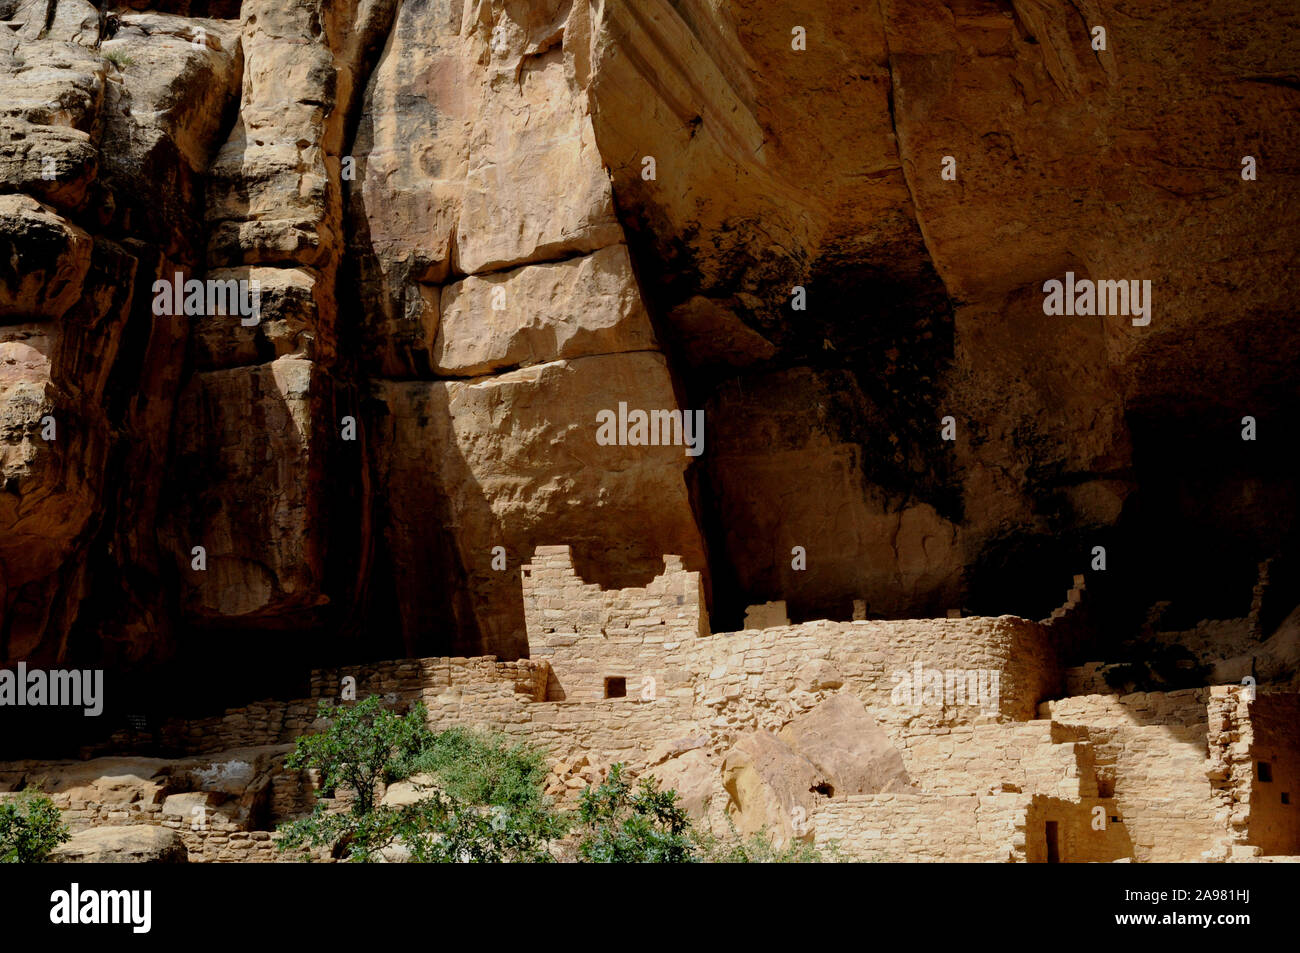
(1211, 507)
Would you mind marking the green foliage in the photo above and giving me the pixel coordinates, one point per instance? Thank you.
(489, 805)
(30, 827)
(485, 802)
(634, 825)
(355, 837)
(478, 768)
(760, 848)
(438, 830)
(364, 744)
(118, 59)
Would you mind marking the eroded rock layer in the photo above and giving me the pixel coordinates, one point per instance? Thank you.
(475, 226)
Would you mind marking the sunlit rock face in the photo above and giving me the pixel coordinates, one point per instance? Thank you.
(478, 226)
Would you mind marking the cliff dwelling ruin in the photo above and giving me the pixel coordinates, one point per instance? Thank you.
(931, 563)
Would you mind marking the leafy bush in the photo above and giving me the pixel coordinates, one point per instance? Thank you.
(634, 825)
(30, 827)
(485, 803)
(438, 830)
(760, 848)
(363, 745)
(488, 804)
(479, 768)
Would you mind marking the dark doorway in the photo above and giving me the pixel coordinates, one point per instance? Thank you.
(1053, 844)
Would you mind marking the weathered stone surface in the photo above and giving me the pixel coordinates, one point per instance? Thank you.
(68, 21)
(260, 525)
(576, 308)
(694, 775)
(767, 616)
(165, 109)
(534, 189)
(296, 319)
(50, 83)
(54, 443)
(411, 791)
(185, 807)
(711, 334)
(844, 743)
(512, 460)
(54, 164)
(768, 783)
(270, 195)
(45, 259)
(411, 145)
(818, 675)
(110, 782)
(505, 161)
(791, 473)
(474, 153)
(136, 844)
(126, 137)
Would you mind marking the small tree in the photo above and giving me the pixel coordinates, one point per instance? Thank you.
(485, 802)
(30, 827)
(364, 744)
(634, 825)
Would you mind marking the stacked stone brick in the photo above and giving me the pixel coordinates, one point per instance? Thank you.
(630, 675)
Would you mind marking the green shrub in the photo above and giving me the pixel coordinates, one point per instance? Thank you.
(439, 830)
(364, 744)
(634, 825)
(482, 768)
(489, 803)
(30, 827)
(485, 802)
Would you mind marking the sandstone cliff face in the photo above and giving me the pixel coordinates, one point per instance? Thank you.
(477, 225)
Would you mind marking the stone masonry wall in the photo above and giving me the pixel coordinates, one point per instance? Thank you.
(1255, 769)
(915, 828)
(1230, 767)
(1087, 830)
(1150, 752)
(656, 640)
(636, 627)
(994, 758)
(1275, 803)
(634, 675)
(445, 684)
